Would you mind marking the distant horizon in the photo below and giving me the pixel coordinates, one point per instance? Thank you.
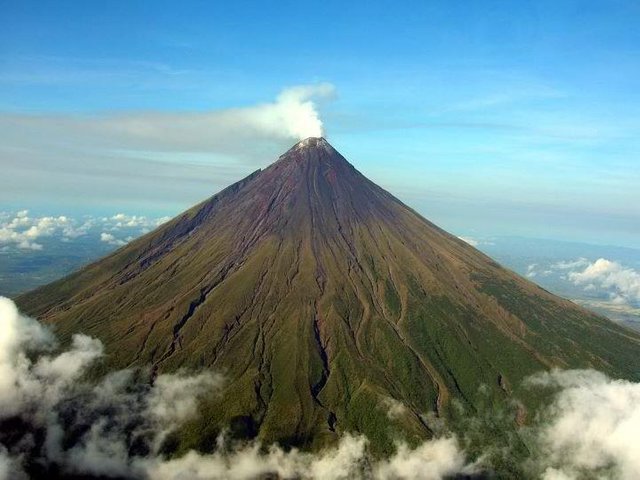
(460, 223)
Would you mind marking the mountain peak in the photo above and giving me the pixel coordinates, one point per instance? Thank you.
(313, 143)
(313, 152)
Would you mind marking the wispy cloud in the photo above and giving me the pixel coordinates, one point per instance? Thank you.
(153, 155)
(395, 408)
(518, 93)
(471, 241)
(69, 71)
(570, 264)
(110, 239)
(475, 242)
(292, 116)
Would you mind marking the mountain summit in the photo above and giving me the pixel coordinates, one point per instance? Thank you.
(329, 306)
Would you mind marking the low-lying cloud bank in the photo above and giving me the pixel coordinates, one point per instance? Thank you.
(20, 230)
(433, 460)
(621, 284)
(55, 422)
(591, 430)
(23, 231)
(50, 417)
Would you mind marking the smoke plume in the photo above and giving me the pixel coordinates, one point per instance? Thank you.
(292, 116)
(135, 155)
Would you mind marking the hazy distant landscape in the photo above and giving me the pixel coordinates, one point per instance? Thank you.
(37, 249)
(559, 267)
(73, 243)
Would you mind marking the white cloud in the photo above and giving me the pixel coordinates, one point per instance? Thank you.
(471, 241)
(609, 284)
(395, 408)
(534, 270)
(122, 220)
(623, 283)
(10, 467)
(43, 387)
(570, 265)
(23, 231)
(344, 461)
(433, 460)
(26, 383)
(19, 230)
(591, 429)
(476, 242)
(111, 240)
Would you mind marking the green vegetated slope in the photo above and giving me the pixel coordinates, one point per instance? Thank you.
(324, 300)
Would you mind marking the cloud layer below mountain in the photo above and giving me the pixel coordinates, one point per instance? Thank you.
(591, 429)
(120, 424)
(621, 284)
(53, 419)
(25, 232)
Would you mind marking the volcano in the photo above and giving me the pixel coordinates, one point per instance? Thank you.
(329, 306)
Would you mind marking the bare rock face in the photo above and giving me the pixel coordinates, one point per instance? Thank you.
(323, 299)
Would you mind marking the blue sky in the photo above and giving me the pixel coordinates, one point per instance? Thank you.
(487, 117)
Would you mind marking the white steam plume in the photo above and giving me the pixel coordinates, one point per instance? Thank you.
(135, 155)
(292, 116)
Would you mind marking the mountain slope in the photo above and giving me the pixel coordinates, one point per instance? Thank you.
(325, 302)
